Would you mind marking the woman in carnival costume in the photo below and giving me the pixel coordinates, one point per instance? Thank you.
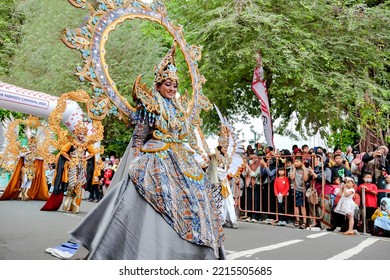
(74, 169)
(160, 204)
(225, 165)
(28, 181)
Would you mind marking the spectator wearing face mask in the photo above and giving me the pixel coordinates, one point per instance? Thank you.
(377, 163)
(371, 200)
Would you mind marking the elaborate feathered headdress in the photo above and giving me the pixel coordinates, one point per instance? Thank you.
(167, 67)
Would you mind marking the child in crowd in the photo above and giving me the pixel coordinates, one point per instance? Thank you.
(336, 185)
(281, 188)
(371, 201)
(299, 176)
(346, 205)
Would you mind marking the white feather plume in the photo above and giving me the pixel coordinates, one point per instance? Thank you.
(235, 148)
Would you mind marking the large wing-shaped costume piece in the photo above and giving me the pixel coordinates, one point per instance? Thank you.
(9, 148)
(3, 131)
(45, 137)
(235, 147)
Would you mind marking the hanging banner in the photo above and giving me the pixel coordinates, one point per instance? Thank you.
(260, 89)
(38, 104)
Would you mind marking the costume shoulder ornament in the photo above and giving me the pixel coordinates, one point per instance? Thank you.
(90, 41)
(229, 139)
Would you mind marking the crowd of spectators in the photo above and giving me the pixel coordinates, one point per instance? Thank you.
(303, 187)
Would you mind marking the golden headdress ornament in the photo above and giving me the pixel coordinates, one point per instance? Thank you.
(167, 67)
(31, 132)
(223, 139)
(81, 128)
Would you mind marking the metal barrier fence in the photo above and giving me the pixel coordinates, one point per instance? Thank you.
(258, 199)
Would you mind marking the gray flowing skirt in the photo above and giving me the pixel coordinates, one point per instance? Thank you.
(124, 226)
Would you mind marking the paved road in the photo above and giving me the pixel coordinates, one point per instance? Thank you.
(25, 233)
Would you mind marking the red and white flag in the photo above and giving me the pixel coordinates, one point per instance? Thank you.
(260, 89)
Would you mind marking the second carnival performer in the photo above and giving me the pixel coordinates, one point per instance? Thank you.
(74, 169)
(28, 181)
(226, 165)
(160, 204)
(216, 172)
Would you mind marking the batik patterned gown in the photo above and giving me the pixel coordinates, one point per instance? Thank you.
(168, 177)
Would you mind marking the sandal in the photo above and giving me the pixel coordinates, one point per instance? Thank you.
(296, 224)
(348, 233)
(302, 226)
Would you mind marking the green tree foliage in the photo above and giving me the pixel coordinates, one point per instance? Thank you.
(320, 58)
(10, 33)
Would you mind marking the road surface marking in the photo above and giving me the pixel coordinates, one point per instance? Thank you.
(72, 215)
(347, 254)
(230, 252)
(317, 235)
(249, 253)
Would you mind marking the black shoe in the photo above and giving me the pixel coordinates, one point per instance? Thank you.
(331, 229)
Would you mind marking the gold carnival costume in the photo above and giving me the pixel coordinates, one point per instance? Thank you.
(28, 180)
(160, 204)
(76, 160)
(75, 168)
(162, 168)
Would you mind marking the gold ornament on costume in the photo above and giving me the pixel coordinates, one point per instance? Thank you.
(145, 96)
(81, 128)
(167, 68)
(223, 139)
(32, 141)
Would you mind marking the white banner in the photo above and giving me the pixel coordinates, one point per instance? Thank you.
(38, 104)
(260, 89)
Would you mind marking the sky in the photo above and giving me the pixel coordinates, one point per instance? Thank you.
(281, 142)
